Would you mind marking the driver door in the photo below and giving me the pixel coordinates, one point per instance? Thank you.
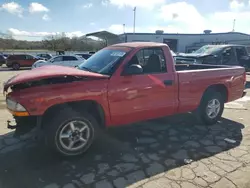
(137, 97)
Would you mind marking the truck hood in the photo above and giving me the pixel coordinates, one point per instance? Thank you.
(50, 71)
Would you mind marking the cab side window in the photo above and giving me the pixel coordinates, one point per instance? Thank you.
(227, 54)
(69, 58)
(152, 60)
(29, 57)
(57, 59)
(240, 52)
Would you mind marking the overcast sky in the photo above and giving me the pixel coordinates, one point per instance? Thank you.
(27, 18)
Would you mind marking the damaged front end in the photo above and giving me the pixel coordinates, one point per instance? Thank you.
(25, 93)
(22, 122)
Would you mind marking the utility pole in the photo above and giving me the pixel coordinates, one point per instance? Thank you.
(234, 24)
(123, 28)
(134, 18)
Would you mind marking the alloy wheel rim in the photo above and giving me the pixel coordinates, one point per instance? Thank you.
(213, 108)
(74, 135)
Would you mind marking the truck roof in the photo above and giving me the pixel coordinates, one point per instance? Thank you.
(140, 44)
(226, 45)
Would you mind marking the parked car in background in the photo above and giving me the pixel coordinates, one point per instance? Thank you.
(91, 52)
(229, 54)
(62, 60)
(2, 60)
(20, 60)
(115, 88)
(84, 55)
(5, 55)
(44, 56)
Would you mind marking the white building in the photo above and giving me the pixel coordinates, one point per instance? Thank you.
(177, 42)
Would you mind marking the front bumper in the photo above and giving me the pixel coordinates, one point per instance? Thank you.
(23, 125)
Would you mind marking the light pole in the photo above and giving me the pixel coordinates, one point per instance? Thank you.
(234, 24)
(123, 28)
(134, 18)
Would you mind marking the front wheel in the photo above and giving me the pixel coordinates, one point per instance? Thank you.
(71, 133)
(211, 107)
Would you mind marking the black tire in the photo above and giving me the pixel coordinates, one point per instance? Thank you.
(202, 110)
(53, 129)
(15, 66)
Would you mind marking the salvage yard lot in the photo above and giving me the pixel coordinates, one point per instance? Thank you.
(169, 152)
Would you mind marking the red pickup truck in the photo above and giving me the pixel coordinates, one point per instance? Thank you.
(120, 84)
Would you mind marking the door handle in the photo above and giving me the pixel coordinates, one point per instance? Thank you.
(168, 82)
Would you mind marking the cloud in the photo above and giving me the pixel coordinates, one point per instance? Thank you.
(183, 17)
(105, 2)
(74, 34)
(13, 8)
(183, 13)
(17, 33)
(236, 5)
(138, 3)
(88, 5)
(92, 23)
(118, 29)
(46, 17)
(37, 7)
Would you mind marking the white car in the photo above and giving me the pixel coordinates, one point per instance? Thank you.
(62, 60)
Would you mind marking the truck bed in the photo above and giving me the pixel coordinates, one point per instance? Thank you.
(184, 67)
(194, 79)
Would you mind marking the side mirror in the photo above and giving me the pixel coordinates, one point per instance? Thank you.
(133, 69)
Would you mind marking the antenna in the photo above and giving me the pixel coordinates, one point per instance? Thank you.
(234, 24)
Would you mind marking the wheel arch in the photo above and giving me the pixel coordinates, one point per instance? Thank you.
(90, 106)
(221, 88)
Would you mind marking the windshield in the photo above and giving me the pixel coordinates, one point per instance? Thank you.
(208, 49)
(103, 61)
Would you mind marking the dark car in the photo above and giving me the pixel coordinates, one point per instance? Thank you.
(229, 54)
(44, 56)
(21, 60)
(2, 60)
(85, 56)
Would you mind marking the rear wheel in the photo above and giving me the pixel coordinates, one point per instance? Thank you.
(211, 107)
(71, 133)
(16, 66)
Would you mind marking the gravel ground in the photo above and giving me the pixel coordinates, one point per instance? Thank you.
(174, 152)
